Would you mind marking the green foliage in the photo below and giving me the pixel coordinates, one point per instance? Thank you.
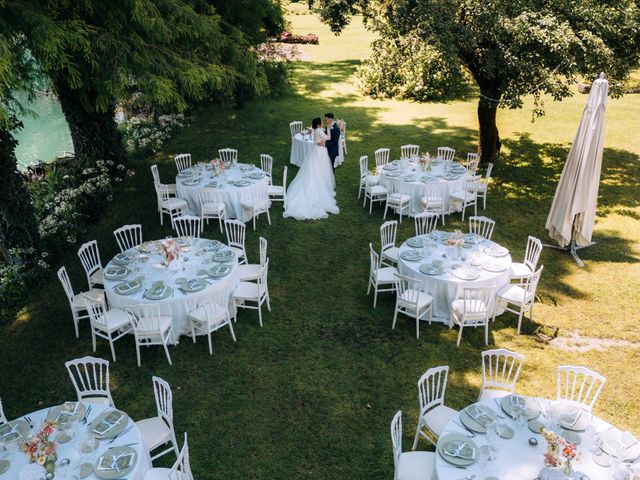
(18, 277)
(408, 68)
(144, 135)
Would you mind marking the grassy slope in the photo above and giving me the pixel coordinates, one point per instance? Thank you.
(311, 394)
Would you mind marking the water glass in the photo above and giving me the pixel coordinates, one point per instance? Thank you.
(520, 418)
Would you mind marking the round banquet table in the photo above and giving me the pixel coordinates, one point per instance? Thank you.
(410, 180)
(301, 146)
(516, 459)
(178, 304)
(71, 449)
(190, 181)
(447, 287)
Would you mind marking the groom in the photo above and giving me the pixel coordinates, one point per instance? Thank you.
(332, 144)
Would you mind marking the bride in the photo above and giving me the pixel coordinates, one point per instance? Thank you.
(311, 195)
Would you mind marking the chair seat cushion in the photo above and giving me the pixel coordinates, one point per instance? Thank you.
(378, 190)
(199, 315)
(260, 204)
(482, 187)
(386, 274)
(519, 270)
(431, 200)
(493, 394)
(96, 294)
(98, 277)
(116, 319)
(409, 295)
(157, 474)
(416, 466)
(460, 196)
(174, 204)
(391, 253)
(98, 400)
(276, 190)
(212, 208)
(248, 271)
(437, 418)
(478, 306)
(154, 432)
(513, 294)
(246, 290)
(399, 198)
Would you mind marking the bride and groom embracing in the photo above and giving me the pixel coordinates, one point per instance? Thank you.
(312, 194)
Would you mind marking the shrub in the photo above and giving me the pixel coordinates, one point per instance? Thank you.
(145, 134)
(309, 38)
(17, 277)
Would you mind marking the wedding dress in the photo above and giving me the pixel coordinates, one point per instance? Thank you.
(312, 195)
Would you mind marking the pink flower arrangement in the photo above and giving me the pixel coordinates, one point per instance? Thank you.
(456, 240)
(39, 448)
(560, 453)
(170, 251)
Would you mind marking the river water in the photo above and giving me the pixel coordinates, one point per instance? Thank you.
(43, 134)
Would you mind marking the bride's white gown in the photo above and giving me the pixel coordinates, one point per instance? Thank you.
(312, 195)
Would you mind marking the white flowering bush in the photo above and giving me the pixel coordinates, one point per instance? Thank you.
(67, 202)
(146, 134)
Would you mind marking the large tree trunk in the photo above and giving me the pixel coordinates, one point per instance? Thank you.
(94, 133)
(18, 228)
(489, 141)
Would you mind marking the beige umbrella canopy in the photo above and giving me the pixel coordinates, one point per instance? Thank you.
(573, 211)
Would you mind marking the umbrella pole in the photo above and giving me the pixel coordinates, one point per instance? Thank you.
(572, 248)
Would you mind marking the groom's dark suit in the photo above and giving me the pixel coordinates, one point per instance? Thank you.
(333, 144)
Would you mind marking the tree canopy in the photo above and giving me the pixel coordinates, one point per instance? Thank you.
(510, 48)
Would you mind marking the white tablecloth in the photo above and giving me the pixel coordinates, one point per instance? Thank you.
(178, 304)
(231, 195)
(517, 459)
(301, 146)
(447, 287)
(70, 450)
(416, 188)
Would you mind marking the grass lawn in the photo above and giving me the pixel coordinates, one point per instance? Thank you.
(312, 393)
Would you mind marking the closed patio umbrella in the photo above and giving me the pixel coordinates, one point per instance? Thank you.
(573, 211)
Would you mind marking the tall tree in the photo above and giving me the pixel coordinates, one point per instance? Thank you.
(511, 48)
(170, 51)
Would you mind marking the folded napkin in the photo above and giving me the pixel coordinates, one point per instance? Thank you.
(117, 462)
(460, 449)
(480, 416)
(9, 433)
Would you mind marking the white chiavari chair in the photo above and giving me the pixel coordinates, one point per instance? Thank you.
(425, 223)
(266, 163)
(3, 418)
(397, 200)
(579, 386)
(128, 236)
(446, 153)
(110, 324)
(211, 314)
(531, 258)
(473, 310)
(90, 258)
(171, 187)
(257, 204)
(78, 302)
(382, 158)
(434, 198)
(157, 431)
(409, 151)
(343, 135)
(373, 192)
(482, 226)
(520, 297)
(250, 271)
(181, 470)
(169, 205)
(466, 198)
(90, 378)
(380, 278)
(434, 414)
(500, 371)
(473, 159)
(483, 186)
(295, 128)
(183, 161)
(212, 206)
(188, 226)
(235, 231)
(411, 301)
(151, 327)
(278, 193)
(409, 465)
(388, 250)
(248, 293)
(364, 174)
(229, 156)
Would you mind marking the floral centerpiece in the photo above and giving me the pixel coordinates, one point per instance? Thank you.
(456, 241)
(217, 167)
(425, 162)
(560, 453)
(170, 251)
(40, 449)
